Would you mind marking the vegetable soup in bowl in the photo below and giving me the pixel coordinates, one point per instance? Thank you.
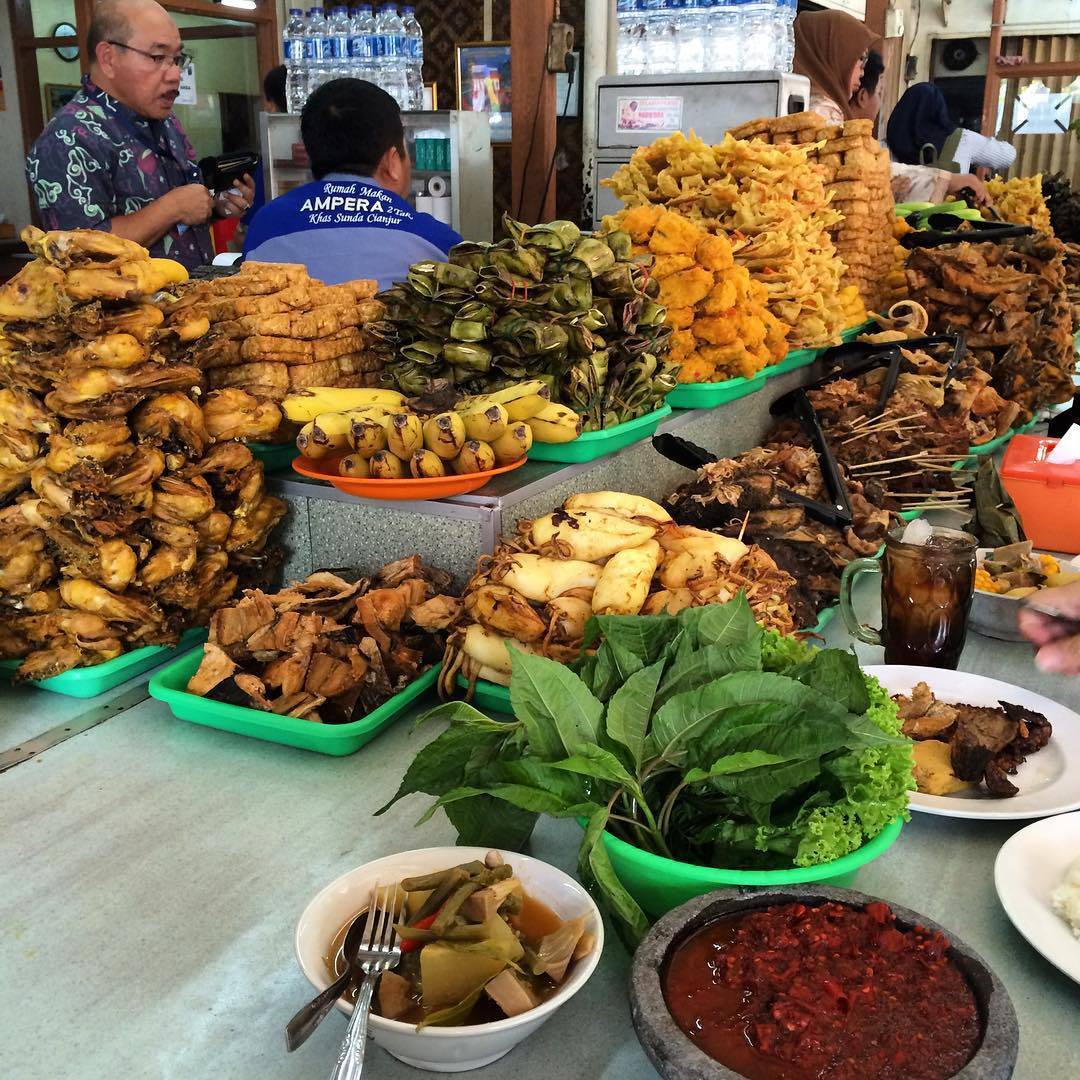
(493, 944)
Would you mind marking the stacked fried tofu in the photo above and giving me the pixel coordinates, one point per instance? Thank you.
(274, 330)
(857, 175)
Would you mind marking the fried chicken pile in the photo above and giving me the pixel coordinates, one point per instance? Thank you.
(1010, 299)
(127, 515)
(746, 488)
(274, 330)
(331, 648)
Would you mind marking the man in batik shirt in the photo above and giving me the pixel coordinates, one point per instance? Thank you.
(115, 157)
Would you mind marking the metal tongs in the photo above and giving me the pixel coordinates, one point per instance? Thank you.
(835, 512)
(945, 229)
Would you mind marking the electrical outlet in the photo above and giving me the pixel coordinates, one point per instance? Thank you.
(560, 42)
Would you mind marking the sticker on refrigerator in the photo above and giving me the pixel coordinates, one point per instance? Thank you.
(648, 114)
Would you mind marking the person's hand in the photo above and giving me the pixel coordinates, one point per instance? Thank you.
(959, 181)
(190, 204)
(901, 185)
(229, 204)
(1058, 650)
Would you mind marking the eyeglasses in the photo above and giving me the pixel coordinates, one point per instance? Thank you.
(180, 59)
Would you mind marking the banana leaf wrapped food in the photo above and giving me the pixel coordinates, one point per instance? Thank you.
(581, 311)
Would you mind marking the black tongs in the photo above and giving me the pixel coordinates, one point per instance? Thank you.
(854, 357)
(945, 229)
(836, 512)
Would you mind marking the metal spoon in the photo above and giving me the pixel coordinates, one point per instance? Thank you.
(300, 1027)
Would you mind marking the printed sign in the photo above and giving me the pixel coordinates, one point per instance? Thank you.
(186, 94)
(648, 114)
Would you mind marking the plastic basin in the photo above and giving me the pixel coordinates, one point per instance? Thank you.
(274, 456)
(591, 445)
(660, 884)
(170, 686)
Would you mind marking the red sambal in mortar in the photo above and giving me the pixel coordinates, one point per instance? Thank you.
(795, 992)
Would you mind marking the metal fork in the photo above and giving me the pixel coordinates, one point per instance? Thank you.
(379, 951)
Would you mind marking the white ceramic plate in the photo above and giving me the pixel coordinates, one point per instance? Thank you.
(1028, 867)
(1049, 781)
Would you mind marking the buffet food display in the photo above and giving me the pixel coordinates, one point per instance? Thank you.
(652, 660)
(131, 521)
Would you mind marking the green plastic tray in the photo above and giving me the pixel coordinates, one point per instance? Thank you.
(169, 685)
(595, 444)
(707, 395)
(489, 696)
(799, 358)
(88, 682)
(274, 456)
(1001, 440)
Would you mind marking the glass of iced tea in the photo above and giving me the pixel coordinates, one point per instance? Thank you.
(926, 592)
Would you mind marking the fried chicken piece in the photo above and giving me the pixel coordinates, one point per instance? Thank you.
(82, 247)
(24, 564)
(24, 446)
(138, 320)
(101, 441)
(117, 352)
(33, 294)
(86, 595)
(213, 530)
(137, 472)
(233, 413)
(95, 382)
(21, 411)
(178, 500)
(110, 562)
(250, 532)
(269, 381)
(173, 422)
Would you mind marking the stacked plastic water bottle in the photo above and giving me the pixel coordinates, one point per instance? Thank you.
(384, 48)
(665, 37)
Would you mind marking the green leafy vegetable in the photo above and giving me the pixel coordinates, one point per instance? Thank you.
(699, 737)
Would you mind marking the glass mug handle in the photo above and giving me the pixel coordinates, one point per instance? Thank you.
(857, 629)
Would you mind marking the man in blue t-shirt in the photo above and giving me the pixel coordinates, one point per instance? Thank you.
(354, 221)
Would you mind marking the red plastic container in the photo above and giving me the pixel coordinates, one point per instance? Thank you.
(1047, 496)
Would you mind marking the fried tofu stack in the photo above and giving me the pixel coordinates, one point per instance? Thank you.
(275, 330)
(127, 513)
(857, 174)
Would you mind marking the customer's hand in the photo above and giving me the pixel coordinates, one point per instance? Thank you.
(959, 181)
(190, 204)
(229, 204)
(1058, 649)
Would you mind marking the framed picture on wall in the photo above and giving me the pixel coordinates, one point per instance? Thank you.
(483, 83)
(57, 95)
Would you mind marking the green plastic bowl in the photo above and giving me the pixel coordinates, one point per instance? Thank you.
(660, 884)
(274, 456)
(595, 444)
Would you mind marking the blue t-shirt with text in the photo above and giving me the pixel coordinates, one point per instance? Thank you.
(344, 227)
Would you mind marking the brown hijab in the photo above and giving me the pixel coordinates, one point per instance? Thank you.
(827, 46)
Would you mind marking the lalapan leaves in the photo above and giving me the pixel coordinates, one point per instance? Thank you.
(699, 737)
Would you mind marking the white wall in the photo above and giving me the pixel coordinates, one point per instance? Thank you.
(14, 195)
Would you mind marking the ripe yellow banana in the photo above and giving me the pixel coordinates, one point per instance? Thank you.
(524, 408)
(308, 446)
(405, 435)
(367, 437)
(306, 404)
(386, 466)
(354, 466)
(475, 457)
(445, 435)
(618, 503)
(425, 463)
(486, 424)
(331, 429)
(555, 424)
(513, 444)
(520, 390)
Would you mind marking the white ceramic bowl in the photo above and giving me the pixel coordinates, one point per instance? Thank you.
(445, 1049)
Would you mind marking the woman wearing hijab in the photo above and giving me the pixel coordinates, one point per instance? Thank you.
(831, 48)
(920, 125)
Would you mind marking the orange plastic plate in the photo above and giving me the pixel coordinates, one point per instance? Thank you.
(437, 487)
